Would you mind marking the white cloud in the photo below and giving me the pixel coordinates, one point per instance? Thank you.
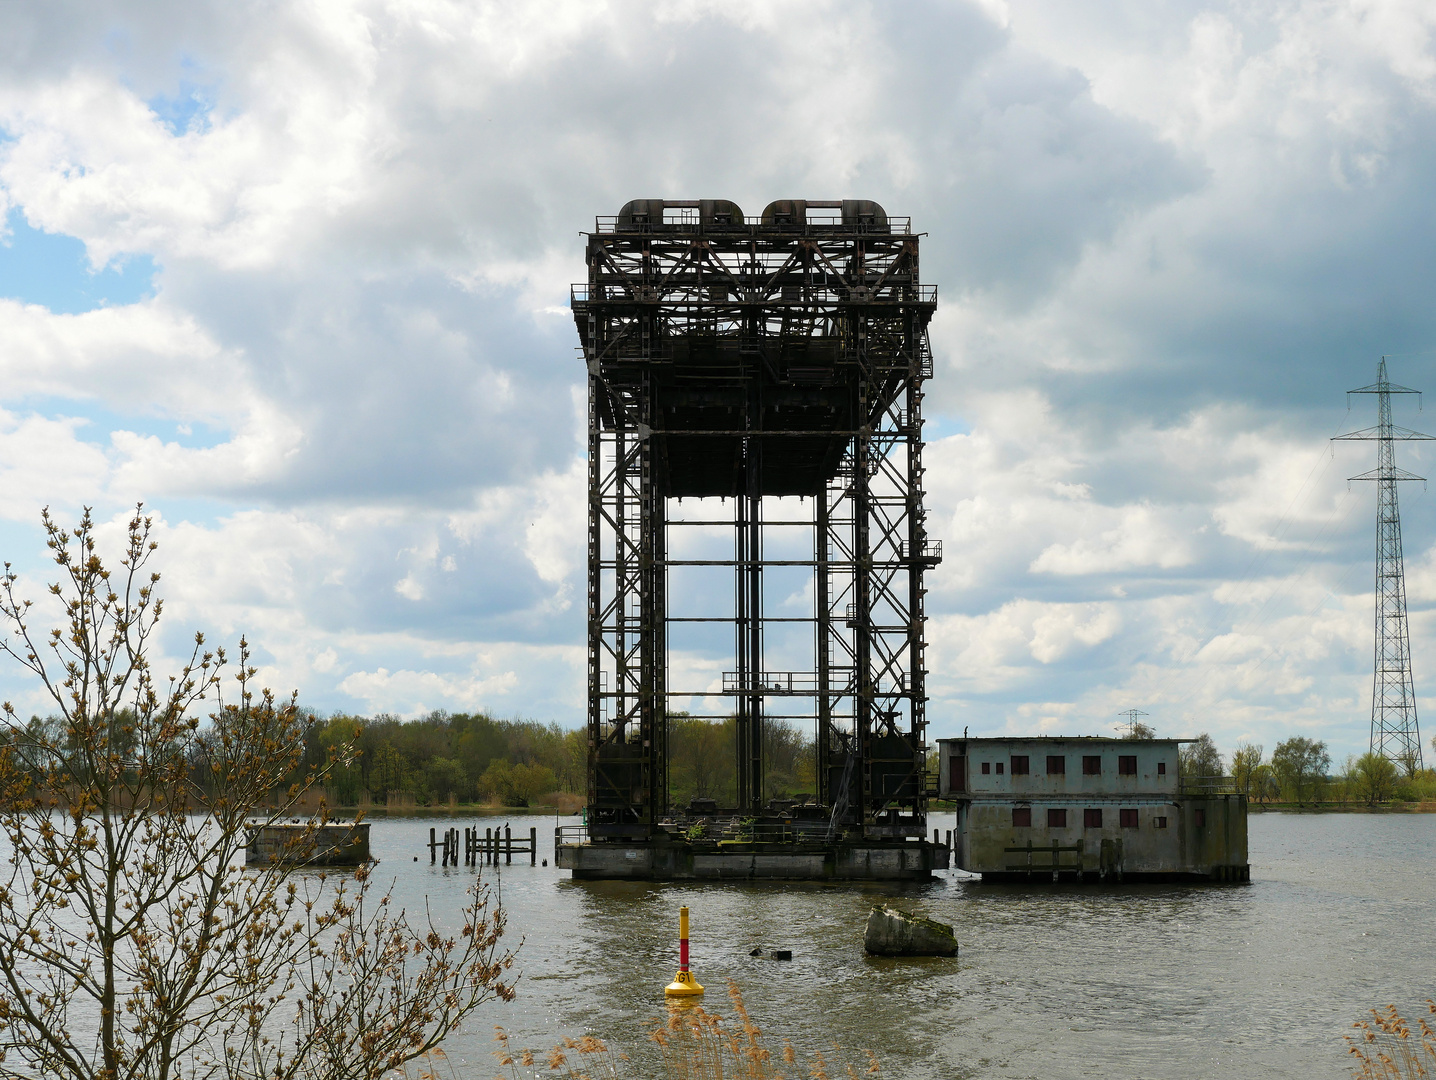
(420, 691)
(1165, 244)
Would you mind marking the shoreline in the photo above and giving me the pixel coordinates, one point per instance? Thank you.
(1428, 807)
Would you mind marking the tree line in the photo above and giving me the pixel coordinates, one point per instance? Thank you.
(1300, 771)
(476, 758)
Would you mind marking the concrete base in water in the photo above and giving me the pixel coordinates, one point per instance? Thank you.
(1232, 874)
(867, 860)
(339, 844)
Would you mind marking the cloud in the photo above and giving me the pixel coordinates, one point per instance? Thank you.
(1166, 240)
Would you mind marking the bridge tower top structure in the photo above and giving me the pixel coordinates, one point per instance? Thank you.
(742, 362)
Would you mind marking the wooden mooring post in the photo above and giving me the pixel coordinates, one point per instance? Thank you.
(485, 849)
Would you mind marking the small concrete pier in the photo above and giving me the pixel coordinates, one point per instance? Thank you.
(344, 843)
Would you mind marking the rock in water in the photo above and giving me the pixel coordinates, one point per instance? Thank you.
(900, 933)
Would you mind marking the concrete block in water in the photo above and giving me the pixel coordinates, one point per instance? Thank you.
(892, 932)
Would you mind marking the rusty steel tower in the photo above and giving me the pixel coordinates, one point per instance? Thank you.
(740, 361)
(1394, 731)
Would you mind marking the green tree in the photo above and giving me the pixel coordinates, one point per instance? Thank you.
(1200, 758)
(703, 759)
(388, 772)
(1300, 764)
(1374, 777)
(134, 944)
(1245, 761)
(790, 760)
(1264, 784)
(445, 775)
(339, 736)
(516, 785)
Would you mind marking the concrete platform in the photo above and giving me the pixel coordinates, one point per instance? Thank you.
(342, 843)
(870, 860)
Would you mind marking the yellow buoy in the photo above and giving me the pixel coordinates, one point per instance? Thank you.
(683, 984)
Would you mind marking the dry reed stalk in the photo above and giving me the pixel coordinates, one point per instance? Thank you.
(694, 1045)
(1387, 1048)
(586, 1058)
(697, 1045)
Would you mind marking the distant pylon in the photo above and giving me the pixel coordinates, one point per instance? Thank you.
(1131, 715)
(1394, 732)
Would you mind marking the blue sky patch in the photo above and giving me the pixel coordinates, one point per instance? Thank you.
(101, 422)
(51, 269)
(186, 111)
(936, 425)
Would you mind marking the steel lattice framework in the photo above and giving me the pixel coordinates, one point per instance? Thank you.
(744, 359)
(1395, 734)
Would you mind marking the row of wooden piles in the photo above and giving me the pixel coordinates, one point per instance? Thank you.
(486, 848)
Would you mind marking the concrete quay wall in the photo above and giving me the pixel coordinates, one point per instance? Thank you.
(858, 861)
(1181, 837)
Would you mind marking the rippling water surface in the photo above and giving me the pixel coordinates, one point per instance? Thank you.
(1155, 981)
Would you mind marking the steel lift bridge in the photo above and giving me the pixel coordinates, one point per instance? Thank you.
(741, 361)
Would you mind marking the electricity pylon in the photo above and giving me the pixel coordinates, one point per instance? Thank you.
(1394, 732)
(1133, 724)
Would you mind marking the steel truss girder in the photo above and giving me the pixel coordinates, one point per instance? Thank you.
(856, 297)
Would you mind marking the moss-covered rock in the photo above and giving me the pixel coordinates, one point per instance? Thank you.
(891, 932)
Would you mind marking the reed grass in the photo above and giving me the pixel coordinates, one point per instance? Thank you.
(1388, 1047)
(693, 1044)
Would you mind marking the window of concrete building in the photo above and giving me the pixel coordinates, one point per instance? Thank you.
(957, 775)
(1057, 819)
(1091, 819)
(1019, 764)
(1127, 765)
(1161, 768)
(1022, 817)
(986, 768)
(999, 768)
(1128, 818)
(1091, 764)
(1159, 823)
(1199, 818)
(1056, 765)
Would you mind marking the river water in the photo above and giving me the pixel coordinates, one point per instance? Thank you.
(1149, 982)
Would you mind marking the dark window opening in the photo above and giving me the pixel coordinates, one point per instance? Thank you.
(986, 768)
(999, 768)
(1128, 818)
(1056, 765)
(957, 773)
(1199, 818)
(1022, 817)
(1019, 765)
(1091, 819)
(1127, 765)
(1159, 823)
(1161, 768)
(1057, 819)
(1091, 764)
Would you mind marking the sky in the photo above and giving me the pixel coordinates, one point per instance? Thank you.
(295, 276)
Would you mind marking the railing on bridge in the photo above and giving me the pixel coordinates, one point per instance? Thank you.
(1207, 785)
(772, 682)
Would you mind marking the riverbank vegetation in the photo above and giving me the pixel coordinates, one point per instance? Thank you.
(692, 1044)
(478, 759)
(1299, 776)
(1390, 1047)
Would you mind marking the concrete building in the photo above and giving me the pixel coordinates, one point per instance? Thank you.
(1089, 809)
